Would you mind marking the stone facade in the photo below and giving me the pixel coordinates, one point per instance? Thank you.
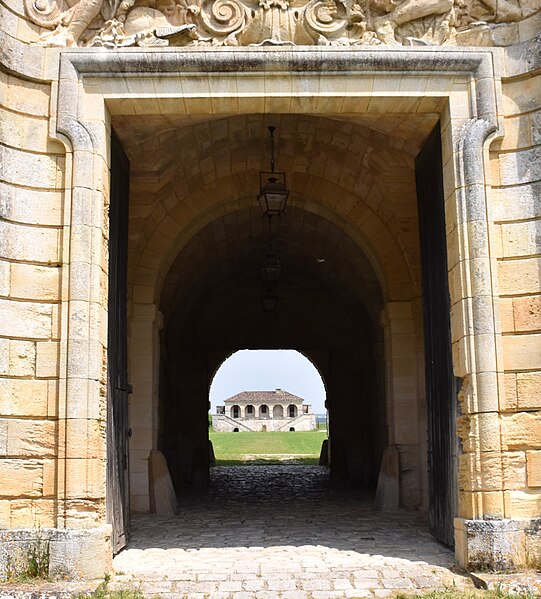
(264, 411)
(353, 106)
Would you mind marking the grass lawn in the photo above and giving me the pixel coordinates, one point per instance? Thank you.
(267, 448)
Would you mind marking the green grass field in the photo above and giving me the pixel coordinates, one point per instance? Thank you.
(267, 448)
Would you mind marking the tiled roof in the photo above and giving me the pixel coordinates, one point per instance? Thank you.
(279, 395)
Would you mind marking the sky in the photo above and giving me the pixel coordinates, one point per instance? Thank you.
(266, 370)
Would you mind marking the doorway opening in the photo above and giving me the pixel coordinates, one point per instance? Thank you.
(349, 298)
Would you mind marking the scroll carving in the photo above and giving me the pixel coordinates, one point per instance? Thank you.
(44, 13)
(223, 18)
(328, 19)
(114, 23)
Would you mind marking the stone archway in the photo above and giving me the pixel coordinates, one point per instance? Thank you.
(162, 229)
(349, 249)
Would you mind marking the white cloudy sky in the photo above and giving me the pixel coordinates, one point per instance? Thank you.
(265, 370)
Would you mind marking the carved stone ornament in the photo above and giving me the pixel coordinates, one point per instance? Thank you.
(117, 23)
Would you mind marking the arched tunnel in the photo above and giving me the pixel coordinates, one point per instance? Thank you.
(329, 302)
(349, 294)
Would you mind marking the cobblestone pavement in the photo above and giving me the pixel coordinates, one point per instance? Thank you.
(279, 531)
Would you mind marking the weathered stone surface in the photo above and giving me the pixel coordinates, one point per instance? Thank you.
(521, 239)
(27, 97)
(513, 203)
(492, 545)
(522, 504)
(492, 471)
(520, 166)
(23, 397)
(522, 430)
(47, 359)
(31, 512)
(533, 462)
(3, 437)
(383, 181)
(522, 96)
(85, 478)
(22, 132)
(519, 276)
(30, 170)
(5, 276)
(30, 206)
(33, 438)
(31, 282)
(536, 127)
(25, 319)
(21, 477)
(529, 390)
(522, 352)
(527, 313)
(75, 554)
(480, 432)
(388, 489)
(84, 513)
(163, 500)
(17, 358)
(82, 438)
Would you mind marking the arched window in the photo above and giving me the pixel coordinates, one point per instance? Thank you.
(292, 410)
(264, 411)
(277, 412)
(249, 411)
(235, 411)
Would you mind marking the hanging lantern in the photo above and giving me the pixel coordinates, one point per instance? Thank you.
(273, 191)
(271, 269)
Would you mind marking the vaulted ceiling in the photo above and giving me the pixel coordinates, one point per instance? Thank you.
(350, 231)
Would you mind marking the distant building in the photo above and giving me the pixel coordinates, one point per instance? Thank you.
(255, 411)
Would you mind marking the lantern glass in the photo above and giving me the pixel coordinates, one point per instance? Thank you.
(273, 193)
(271, 269)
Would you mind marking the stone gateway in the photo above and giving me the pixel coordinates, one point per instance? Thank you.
(133, 136)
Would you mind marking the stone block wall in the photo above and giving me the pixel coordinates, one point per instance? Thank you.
(500, 467)
(52, 455)
(32, 177)
(516, 174)
(517, 214)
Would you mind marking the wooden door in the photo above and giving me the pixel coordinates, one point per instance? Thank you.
(441, 385)
(118, 506)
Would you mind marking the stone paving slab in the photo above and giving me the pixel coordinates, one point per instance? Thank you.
(280, 532)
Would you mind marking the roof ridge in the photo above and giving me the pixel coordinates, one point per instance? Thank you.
(267, 394)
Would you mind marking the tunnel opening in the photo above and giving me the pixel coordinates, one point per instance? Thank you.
(279, 380)
(323, 312)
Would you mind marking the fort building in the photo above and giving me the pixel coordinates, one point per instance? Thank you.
(264, 411)
(398, 250)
